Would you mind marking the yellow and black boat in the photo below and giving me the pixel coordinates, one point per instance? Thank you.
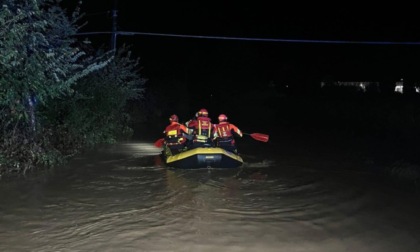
(203, 157)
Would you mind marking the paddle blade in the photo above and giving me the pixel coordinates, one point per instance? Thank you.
(260, 137)
(159, 142)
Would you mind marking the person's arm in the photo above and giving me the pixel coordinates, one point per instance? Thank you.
(184, 131)
(214, 132)
(235, 129)
(183, 128)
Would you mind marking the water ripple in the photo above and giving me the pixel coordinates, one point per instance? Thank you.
(129, 202)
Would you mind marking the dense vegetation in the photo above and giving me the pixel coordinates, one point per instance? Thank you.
(58, 95)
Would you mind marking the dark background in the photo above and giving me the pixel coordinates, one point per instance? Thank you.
(273, 86)
(324, 41)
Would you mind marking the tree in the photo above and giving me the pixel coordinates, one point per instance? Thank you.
(95, 112)
(39, 61)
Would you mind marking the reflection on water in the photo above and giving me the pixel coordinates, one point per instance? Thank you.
(122, 198)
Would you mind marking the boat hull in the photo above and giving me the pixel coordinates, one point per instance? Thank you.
(204, 157)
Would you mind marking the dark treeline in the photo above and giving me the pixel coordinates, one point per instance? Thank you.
(58, 95)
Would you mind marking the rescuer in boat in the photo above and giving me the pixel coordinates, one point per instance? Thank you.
(176, 135)
(224, 134)
(192, 121)
(202, 129)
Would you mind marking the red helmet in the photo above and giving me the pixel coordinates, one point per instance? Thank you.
(203, 112)
(173, 118)
(222, 118)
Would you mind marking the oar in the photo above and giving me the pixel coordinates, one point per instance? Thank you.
(258, 136)
(159, 142)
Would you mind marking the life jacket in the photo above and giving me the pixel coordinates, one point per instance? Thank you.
(174, 134)
(203, 129)
(223, 133)
(223, 130)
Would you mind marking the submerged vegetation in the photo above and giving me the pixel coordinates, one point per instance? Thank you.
(57, 95)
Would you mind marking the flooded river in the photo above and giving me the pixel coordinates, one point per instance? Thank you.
(123, 198)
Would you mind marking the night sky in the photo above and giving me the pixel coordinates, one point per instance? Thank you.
(320, 44)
